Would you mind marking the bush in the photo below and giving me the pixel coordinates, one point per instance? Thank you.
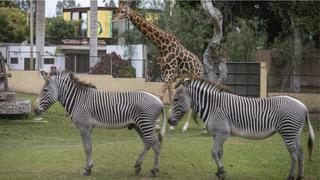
(119, 67)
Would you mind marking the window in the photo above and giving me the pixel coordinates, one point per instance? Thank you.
(48, 60)
(14, 61)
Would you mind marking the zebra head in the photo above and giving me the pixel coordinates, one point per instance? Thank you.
(182, 102)
(48, 95)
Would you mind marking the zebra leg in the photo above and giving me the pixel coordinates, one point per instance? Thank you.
(87, 143)
(292, 148)
(140, 159)
(217, 152)
(156, 148)
(300, 159)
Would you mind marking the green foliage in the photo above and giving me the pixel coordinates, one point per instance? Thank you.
(13, 25)
(304, 14)
(9, 4)
(196, 31)
(242, 43)
(63, 4)
(57, 28)
(127, 72)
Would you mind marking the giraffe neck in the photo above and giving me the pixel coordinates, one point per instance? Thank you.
(158, 36)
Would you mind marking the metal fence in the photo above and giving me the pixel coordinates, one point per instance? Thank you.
(290, 83)
(243, 78)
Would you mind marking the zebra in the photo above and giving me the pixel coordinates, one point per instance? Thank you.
(225, 114)
(89, 107)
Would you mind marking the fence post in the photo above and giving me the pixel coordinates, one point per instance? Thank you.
(263, 79)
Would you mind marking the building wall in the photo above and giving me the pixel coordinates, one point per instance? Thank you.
(22, 52)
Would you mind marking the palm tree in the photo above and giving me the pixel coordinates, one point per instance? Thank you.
(93, 33)
(40, 31)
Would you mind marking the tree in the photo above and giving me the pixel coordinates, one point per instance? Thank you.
(57, 28)
(214, 44)
(300, 18)
(13, 25)
(63, 4)
(40, 31)
(243, 39)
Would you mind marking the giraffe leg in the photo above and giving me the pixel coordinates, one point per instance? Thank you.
(170, 92)
(163, 90)
(186, 124)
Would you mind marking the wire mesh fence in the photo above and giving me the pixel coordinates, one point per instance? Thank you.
(293, 83)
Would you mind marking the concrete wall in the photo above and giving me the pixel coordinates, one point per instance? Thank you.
(31, 82)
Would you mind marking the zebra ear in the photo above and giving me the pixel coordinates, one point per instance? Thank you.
(45, 75)
(186, 81)
(182, 81)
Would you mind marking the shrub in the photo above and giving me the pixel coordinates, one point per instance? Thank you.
(112, 64)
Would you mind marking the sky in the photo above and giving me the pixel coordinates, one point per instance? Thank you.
(51, 5)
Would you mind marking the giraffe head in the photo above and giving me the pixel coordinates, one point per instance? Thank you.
(122, 12)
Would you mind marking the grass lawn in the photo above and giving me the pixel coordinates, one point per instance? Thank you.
(54, 150)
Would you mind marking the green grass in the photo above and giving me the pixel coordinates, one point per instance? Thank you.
(54, 150)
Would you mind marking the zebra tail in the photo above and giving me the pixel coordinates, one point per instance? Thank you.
(311, 137)
(163, 127)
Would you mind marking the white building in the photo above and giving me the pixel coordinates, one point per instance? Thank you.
(18, 58)
(61, 58)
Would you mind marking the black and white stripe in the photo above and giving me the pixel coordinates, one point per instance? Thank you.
(228, 114)
(89, 107)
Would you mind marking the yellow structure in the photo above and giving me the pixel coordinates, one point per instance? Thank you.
(104, 20)
(104, 24)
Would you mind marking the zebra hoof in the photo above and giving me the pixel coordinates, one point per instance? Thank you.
(184, 130)
(171, 128)
(221, 174)
(154, 172)
(137, 169)
(87, 171)
(290, 178)
(299, 178)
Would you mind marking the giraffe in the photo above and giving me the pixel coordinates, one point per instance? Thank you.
(174, 60)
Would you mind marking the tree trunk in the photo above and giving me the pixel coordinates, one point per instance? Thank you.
(31, 34)
(214, 44)
(93, 33)
(40, 32)
(297, 58)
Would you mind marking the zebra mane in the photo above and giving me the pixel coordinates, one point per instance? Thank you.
(78, 83)
(218, 86)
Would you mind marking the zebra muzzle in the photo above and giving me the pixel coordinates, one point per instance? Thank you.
(37, 111)
(172, 122)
